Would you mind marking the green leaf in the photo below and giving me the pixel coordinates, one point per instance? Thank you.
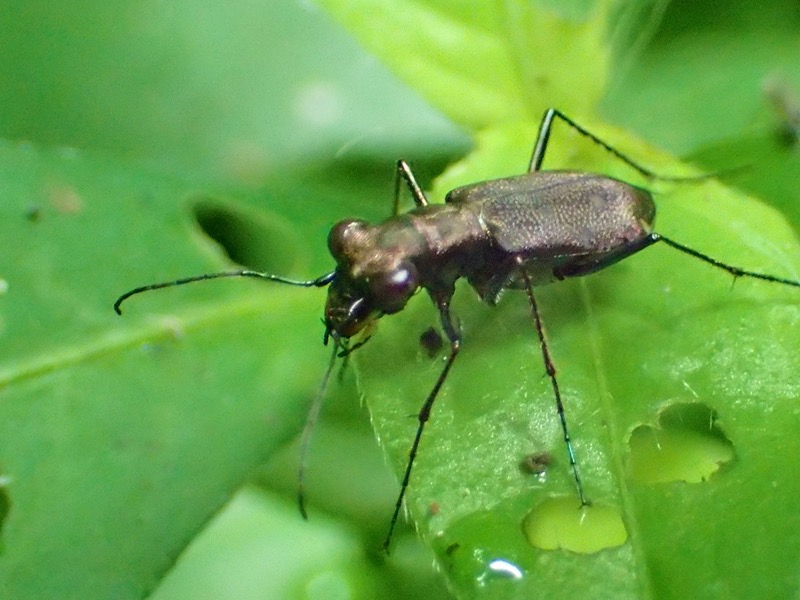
(656, 331)
(224, 92)
(701, 71)
(121, 437)
(769, 168)
(485, 63)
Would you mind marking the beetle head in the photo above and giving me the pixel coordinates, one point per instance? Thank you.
(370, 280)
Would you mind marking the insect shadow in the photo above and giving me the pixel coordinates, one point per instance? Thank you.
(515, 232)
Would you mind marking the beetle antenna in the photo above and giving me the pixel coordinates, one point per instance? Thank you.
(311, 421)
(321, 281)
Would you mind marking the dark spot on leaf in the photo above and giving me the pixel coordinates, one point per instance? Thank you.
(536, 463)
(33, 213)
(431, 341)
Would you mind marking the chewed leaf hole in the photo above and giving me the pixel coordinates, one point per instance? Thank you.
(561, 523)
(5, 505)
(685, 445)
(248, 237)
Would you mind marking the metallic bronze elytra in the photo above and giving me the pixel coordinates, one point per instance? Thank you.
(515, 232)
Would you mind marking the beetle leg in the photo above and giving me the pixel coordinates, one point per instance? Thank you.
(425, 412)
(551, 373)
(543, 137)
(404, 172)
(735, 271)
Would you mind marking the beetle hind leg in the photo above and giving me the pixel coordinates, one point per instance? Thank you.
(551, 373)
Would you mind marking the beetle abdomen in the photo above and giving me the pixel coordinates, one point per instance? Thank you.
(560, 213)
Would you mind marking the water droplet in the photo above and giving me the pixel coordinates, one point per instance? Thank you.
(499, 568)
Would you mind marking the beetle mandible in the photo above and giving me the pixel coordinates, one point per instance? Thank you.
(515, 232)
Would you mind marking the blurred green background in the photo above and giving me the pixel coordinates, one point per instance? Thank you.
(124, 125)
(230, 91)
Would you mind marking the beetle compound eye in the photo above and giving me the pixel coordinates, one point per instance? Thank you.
(392, 290)
(345, 235)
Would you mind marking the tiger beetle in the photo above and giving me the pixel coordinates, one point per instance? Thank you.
(515, 232)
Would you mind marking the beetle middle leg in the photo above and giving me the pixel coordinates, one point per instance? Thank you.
(551, 373)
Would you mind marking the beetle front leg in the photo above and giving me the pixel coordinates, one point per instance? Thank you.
(425, 412)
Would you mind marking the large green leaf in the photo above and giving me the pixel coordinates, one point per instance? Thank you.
(121, 437)
(226, 92)
(489, 62)
(659, 333)
(620, 340)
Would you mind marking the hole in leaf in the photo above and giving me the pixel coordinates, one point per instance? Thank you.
(248, 237)
(5, 505)
(561, 523)
(686, 445)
